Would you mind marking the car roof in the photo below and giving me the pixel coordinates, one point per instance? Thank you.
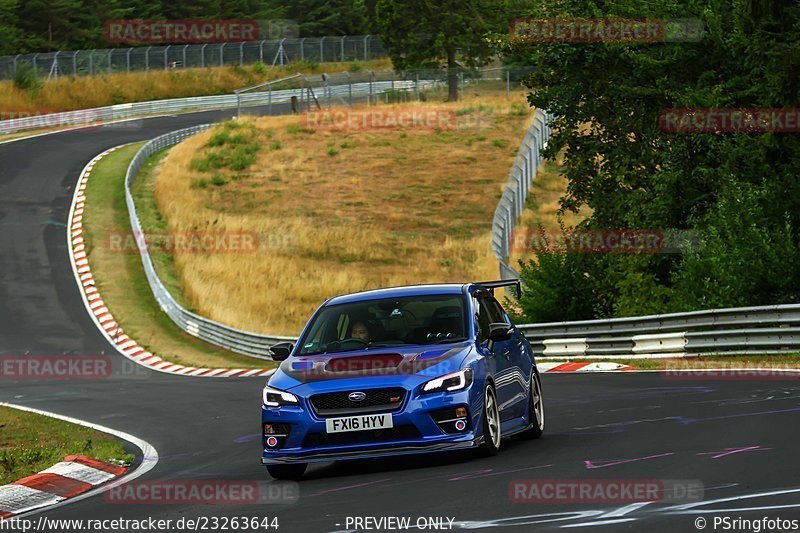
(399, 292)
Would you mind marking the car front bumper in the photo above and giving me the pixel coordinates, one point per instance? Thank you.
(416, 411)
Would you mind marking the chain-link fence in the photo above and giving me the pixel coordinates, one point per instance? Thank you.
(270, 52)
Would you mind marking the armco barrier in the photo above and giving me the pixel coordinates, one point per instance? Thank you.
(515, 193)
(746, 330)
(766, 329)
(243, 342)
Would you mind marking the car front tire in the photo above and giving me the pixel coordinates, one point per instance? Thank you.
(535, 409)
(293, 472)
(491, 423)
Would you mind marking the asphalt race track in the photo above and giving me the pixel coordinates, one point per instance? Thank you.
(736, 437)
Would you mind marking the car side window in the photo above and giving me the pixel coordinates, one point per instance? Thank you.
(485, 314)
(496, 311)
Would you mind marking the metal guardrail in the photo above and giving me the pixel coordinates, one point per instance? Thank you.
(745, 330)
(239, 341)
(766, 329)
(243, 342)
(515, 193)
(335, 88)
(271, 52)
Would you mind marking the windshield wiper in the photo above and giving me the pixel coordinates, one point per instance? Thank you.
(385, 345)
(454, 339)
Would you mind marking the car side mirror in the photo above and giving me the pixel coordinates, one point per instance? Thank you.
(500, 331)
(281, 351)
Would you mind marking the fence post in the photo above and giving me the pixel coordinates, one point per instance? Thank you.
(342, 47)
(371, 89)
(166, 58)
(302, 49)
(75, 63)
(128, 60)
(321, 50)
(508, 83)
(366, 48)
(203, 55)
(34, 61)
(147, 58)
(222, 54)
(261, 51)
(241, 54)
(91, 61)
(109, 60)
(184, 55)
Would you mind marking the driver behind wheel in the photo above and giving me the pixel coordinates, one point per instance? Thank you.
(360, 331)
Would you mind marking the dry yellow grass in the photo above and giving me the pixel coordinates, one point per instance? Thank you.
(544, 208)
(82, 92)
(340, 211)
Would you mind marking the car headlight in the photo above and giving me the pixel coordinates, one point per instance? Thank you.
(450, 382)
(276, 398)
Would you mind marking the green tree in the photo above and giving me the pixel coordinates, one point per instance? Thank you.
(607, 99)
(435, 33)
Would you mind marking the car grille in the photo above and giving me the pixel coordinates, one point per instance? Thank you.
(339, 403)
(361, 437)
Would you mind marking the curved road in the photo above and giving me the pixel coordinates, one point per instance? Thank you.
(736, 437)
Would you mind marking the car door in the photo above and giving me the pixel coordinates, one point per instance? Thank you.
(499, 354)
(519, 362)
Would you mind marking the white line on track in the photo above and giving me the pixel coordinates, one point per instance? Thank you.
(149, 455)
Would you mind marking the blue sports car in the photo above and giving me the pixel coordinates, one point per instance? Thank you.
(404, 370)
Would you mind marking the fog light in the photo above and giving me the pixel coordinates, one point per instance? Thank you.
(461, 412)
(272, 441)
(269, 430)
(461, 425)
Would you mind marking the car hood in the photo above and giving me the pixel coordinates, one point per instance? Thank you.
(398, 364)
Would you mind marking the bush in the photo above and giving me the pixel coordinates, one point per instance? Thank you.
(26, 78)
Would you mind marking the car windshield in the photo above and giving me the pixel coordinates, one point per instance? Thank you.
(435, 319)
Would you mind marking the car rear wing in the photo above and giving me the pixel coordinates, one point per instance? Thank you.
(492, 285)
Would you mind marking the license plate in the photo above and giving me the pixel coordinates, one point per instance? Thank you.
(358, 423)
